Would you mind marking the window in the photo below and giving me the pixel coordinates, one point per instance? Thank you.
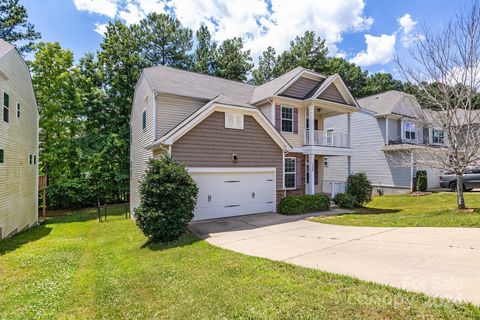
(2, 156)
(6, 104)
(438, 136)
(30, 159)
(18, 110)
(410, 130)
(325, 162)
(34, 159)
(287, 119)
(233, 120)
(329, 133)
(289, 175)
(144, 119)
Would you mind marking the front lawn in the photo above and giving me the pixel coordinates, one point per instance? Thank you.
(73, 267)
(434, 210)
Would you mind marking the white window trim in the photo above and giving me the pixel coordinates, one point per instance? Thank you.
(238, 121)
(282, 118)
(4, 156)
(404, 137)
(294, 173)
(17, 110)
(325, 162)
(144, 111)
(3, 106)
(433, 136)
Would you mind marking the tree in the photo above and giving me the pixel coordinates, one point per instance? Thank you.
(266, 66)
(353, 76)
(380, 82)
(446, 73)
(307, 51)
(14, 26)
(163, 40)
(233, 62)
(204, 56)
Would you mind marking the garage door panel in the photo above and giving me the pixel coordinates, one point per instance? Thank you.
(224, 194)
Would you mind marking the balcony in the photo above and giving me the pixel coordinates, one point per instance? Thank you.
(328, 139)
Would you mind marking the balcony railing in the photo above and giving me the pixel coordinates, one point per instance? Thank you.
(328, 139)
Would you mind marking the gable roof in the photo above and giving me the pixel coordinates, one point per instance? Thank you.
(393, 102)
(5, 48)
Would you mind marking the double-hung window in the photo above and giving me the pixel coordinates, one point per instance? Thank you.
(287, 119)
(2, 156)
(438, 136)
(289, 174)
(6, 105)
(144, 119)
(410, 130)
(18, 110)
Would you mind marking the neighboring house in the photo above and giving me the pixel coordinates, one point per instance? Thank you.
(18, 144)
(384, 133)
(246, 146)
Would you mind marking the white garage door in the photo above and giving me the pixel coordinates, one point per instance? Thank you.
(227, 193)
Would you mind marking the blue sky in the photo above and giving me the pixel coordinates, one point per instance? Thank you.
(368, 32)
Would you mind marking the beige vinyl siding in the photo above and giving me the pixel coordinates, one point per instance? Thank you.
(331, 93)
(300, 88)
(210, 144)
(19, 139)
(139, 156)
(171, 110)
(266, 109)
(297, 139)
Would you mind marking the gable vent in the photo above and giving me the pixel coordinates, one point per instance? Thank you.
(233, 120)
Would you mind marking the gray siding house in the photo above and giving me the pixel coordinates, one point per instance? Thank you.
(384, 134)
(246, 146)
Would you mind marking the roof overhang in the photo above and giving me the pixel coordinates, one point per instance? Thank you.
(185, 126)
(410, 147)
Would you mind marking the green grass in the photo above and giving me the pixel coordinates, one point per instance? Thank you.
(434, 210)
(73, 267)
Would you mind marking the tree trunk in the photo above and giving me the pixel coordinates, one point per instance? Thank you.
(460, 198)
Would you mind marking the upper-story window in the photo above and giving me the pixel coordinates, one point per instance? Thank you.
(438, 136)
(144, 119)
(18, 110)
(6, 105)
(287, 119)
(410, 130)
(2, 156)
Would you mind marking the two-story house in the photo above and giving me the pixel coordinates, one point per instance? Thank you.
(246, 146)
(18, 144)
(384, 136)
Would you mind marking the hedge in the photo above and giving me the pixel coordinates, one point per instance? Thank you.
(300, 204)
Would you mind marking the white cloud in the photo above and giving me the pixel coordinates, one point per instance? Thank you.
(101, 28)
(131, 14)
(407, 27)
(380, 50)
(103, 7)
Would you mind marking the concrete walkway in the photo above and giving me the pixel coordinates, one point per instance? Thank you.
(442, 262)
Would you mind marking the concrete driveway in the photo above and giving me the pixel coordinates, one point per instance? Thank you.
(442, 262)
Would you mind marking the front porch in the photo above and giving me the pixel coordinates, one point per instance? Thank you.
(321, 184)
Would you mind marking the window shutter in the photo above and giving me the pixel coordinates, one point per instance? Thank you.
(295, 120)
(316, 124)
(298, 173)
(316, 172)
(278, 121)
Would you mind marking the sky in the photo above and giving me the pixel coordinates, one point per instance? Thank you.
(369, 33)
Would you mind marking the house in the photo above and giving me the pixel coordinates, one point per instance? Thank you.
(246, 146)
(384, 135)
(18, 144)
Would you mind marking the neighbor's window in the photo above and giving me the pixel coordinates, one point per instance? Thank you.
(410, 130)
(30, 159)
(18, 110)
(2, 156)
(438, 136)
(6, 104)
(34, 159)
(144, 119)
(287, 119)
(289, 175)
(325, 162)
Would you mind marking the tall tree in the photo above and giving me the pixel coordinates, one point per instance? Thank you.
(381, 82)
(163, 40)
(233, 62)
(266, 66)
(204, 56)
(353, 76)
(14, 26)
(308, 51)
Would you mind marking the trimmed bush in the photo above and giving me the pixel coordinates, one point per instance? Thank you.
(422, 180)
(344, 200)
(168, 197)
(293, 205)
(360, 188)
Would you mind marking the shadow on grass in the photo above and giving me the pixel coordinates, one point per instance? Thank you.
(185, 239)
(25, 237)
(370, 211)
(86, 214)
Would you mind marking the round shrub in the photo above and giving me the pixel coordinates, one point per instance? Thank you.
(344, 200)
(299, 204)
(422, 181)
(360, 188)
(168, 197)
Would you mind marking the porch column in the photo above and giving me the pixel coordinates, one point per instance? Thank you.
(311, 174)
(411, 171)
(349, 166)
(349, 130)
(386, 131)
(311, 125)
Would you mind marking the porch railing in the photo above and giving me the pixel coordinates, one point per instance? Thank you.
(328, 138)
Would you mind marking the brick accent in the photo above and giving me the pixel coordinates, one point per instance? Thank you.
(281, 193)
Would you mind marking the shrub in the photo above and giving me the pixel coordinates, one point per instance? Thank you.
(344, 200)
(360, 188)
(168, 197)
(292, 205)
(422, 181)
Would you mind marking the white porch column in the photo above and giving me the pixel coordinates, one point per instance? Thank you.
(386, 131)
(349, 166)
(311, 174)
(349, 130)
(411, 171)
(311, 125)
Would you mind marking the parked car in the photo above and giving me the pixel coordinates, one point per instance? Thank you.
(471, 180)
